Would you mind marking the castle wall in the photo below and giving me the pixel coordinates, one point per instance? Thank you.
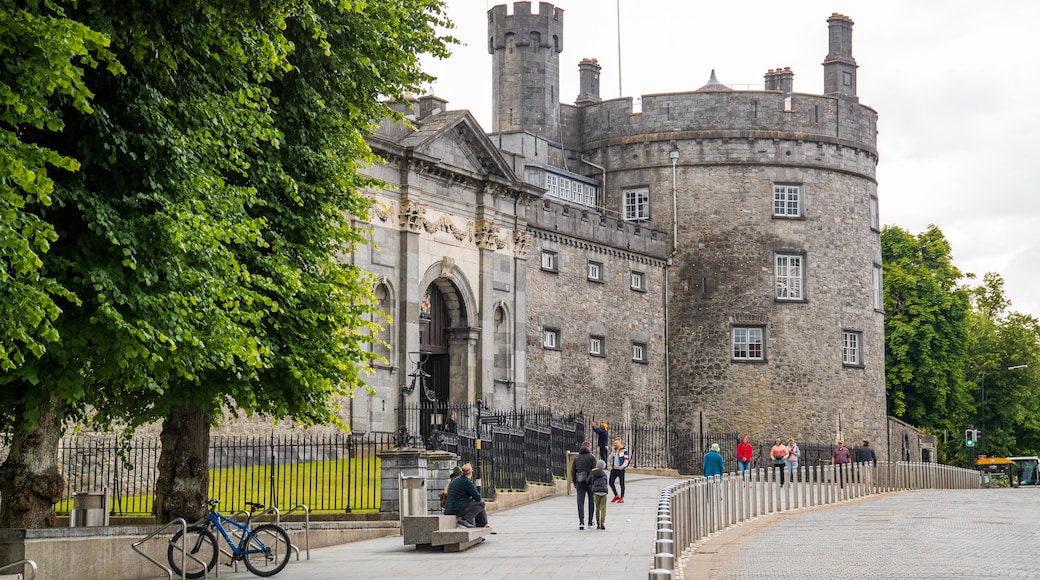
(612, 386)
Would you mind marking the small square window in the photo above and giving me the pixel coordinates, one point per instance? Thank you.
(639, 352)
(787, 200)
(852, 348)
(595, 271)
(748, 343)
(549, 261)
(597, 346)
(638, 281)
(551, 339)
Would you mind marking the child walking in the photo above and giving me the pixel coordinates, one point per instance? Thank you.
(598, 487)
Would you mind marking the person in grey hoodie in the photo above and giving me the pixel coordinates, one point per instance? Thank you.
(598, 486)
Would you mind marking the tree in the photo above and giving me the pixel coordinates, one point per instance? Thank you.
(44, 57)
(203, 231)
(1004, 356)
(926, 325)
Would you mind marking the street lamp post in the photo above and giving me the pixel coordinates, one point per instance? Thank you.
(985, 434)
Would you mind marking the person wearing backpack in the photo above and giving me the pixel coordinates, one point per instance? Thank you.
(619, 460)
(581, 469)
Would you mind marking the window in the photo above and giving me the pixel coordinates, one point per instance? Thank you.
(789, 274)
(549, 261)
(565, 189)
(551, 339)
(879, 289)
(637, 203)
(639, 281)
(552, 184)
(595, 271)
(875, 220)
(787, 200)
(596, 346)
(852, 348)
(748, 343)
(639, 352)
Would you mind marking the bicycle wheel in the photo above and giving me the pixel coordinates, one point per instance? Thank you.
(275, 546)
(199, 544)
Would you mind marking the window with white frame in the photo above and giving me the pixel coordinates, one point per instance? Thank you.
(787, 200)
(597, 346)
(637, 203)
(852, 348)
(551, 338)
(549, 261)
(879, 289)
(748, 343)
(875, 220)
(552, 185)
(565, 189)
(639, 352)
(790, 277)
(595, 271)
(638, 281)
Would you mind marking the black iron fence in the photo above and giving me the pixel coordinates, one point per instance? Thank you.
(333, 472)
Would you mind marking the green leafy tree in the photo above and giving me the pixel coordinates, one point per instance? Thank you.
(926, 325)
(204, 231)
(1003, 354)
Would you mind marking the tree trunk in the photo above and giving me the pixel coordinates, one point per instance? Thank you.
(30, 483)
(181, 490)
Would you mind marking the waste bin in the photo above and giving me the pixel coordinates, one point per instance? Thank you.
(89, 508)
(413, 495)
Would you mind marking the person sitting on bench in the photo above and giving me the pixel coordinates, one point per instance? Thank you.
(464, 501)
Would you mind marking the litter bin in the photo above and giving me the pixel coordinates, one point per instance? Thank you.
(413, 495)
(89, 508)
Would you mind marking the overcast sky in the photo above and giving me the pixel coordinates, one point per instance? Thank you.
(956, 86)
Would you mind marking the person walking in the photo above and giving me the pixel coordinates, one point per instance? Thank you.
(791, 461)
(598, 487)
(581, 469)
(864, 455)
(451, 426)
(744, 453)
(619, 461)
(779, 455)
(840, 458)
(603, 439)
(713, 463)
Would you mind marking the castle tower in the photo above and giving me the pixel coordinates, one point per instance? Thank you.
(839, 68)
(525, 71)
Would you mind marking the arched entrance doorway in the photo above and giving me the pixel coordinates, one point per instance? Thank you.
(441, 313)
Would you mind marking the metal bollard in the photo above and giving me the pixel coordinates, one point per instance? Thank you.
(659, 574)
(665, 534)
(664, 561)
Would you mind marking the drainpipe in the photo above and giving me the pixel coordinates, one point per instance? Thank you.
(673, 154)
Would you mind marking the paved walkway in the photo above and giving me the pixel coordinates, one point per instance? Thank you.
(988, 533)
(537, 540)
(915, 535)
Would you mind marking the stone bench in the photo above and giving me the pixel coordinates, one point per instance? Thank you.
(440, 532)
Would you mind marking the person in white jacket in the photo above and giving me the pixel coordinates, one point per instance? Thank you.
(618, 461)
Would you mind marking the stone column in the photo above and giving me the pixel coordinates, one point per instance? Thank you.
(433, 466)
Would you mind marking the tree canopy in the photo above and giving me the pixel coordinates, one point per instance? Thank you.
(199, 243)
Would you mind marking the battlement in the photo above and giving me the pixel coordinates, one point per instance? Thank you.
(737, 114)
(640, 241)
(545, 28)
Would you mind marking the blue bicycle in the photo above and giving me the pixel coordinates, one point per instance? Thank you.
(265, 549)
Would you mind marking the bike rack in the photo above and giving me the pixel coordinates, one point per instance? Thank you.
(22, 563)
(306, 530)
(184, 553)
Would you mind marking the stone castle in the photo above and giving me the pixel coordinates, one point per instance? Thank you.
(711, 260)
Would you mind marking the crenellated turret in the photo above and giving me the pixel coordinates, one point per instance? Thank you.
(525, 69)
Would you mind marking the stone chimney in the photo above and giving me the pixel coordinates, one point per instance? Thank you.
(839, 68)
(588, 75)
(431, 105)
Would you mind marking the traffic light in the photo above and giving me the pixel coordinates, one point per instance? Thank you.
(970, 437)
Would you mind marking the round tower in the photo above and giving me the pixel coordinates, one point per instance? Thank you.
(525, 71)
(775, 323)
